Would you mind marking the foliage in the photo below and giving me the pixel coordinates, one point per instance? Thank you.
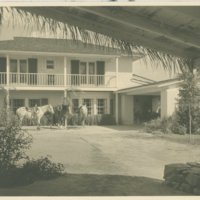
(107, 119)
(158, 125)
(32, 170)
(42, 168)
(165, 125)
(188, 103)
(13, 140)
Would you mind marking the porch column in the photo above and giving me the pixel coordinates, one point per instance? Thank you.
(95, 106)
(117, 70)
(65, 77)
(117, 108)
(26, 103)
(7, 82)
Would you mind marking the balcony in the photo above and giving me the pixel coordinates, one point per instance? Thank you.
(58, 80)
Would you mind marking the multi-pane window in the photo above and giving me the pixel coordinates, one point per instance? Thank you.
(88, 103)
(75, 103)
(17, 103)
(33, 102)
(38, 102)
(50, 64)
(101, 106)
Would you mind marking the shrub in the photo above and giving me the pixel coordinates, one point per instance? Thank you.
(161, 125)
(13, 140)
(32, 170)
(166, 125)
(42, 168)
(176, 126)
(107, 119)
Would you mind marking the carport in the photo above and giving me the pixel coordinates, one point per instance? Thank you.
(142, 103)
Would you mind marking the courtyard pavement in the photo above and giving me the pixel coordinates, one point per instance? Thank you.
(114, 150)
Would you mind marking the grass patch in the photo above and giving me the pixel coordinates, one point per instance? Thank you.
(94, 185)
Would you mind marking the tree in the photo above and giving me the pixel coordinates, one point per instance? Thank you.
(188, 103)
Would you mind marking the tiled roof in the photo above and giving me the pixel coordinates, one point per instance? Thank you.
(54, 45)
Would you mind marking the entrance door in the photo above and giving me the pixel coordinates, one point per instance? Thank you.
(75, 72)
(100, 72)
(91, 71)
(23, 71)
(13, 71)
(32, 69)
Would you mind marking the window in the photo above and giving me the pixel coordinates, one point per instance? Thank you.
(101, 106)
(44, 101)
(38, 102)
(16, 103)
(87, 72)
(88, 103)
(50, 64)
(33, 102)
(75, 103)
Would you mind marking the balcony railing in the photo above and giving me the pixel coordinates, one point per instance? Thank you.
(58, 80)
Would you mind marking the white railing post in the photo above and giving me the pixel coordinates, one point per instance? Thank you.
(65, 71)
(117, 108)
(7, 82)
(117, 70)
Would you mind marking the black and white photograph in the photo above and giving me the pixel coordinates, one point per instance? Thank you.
(99, 98)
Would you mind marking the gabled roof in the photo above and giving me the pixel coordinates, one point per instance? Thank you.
(55, 46)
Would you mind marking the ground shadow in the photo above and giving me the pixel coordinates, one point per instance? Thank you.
(94, 185)
(137, 127)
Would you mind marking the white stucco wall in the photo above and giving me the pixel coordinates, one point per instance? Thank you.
(154, 71)
(56, 97)
(168, 101)
(126, 109)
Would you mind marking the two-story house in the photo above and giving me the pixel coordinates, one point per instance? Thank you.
(40, 71)
(43, 70)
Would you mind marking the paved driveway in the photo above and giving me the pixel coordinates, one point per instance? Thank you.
(110, 150)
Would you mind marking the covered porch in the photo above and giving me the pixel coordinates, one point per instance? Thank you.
(143, 103)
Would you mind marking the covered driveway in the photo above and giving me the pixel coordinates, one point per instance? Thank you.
(141, 103)
(116, 150)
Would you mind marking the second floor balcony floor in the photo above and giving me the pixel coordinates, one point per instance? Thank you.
(27, 80)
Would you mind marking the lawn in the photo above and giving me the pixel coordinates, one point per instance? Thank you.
(107, 161)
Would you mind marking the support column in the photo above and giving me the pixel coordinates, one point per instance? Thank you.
(108, 106)
(26, 103)
(117, 70)
(95, 106)
(117, 108)
(65, 77)
(7, 82)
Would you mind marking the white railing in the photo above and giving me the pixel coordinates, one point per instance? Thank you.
(58, 80)
(3, 78)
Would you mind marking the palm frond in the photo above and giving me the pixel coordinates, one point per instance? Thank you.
(32, 21)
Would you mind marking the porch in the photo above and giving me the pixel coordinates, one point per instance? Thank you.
(58, 80)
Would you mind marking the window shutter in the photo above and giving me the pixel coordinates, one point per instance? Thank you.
(100, 67)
